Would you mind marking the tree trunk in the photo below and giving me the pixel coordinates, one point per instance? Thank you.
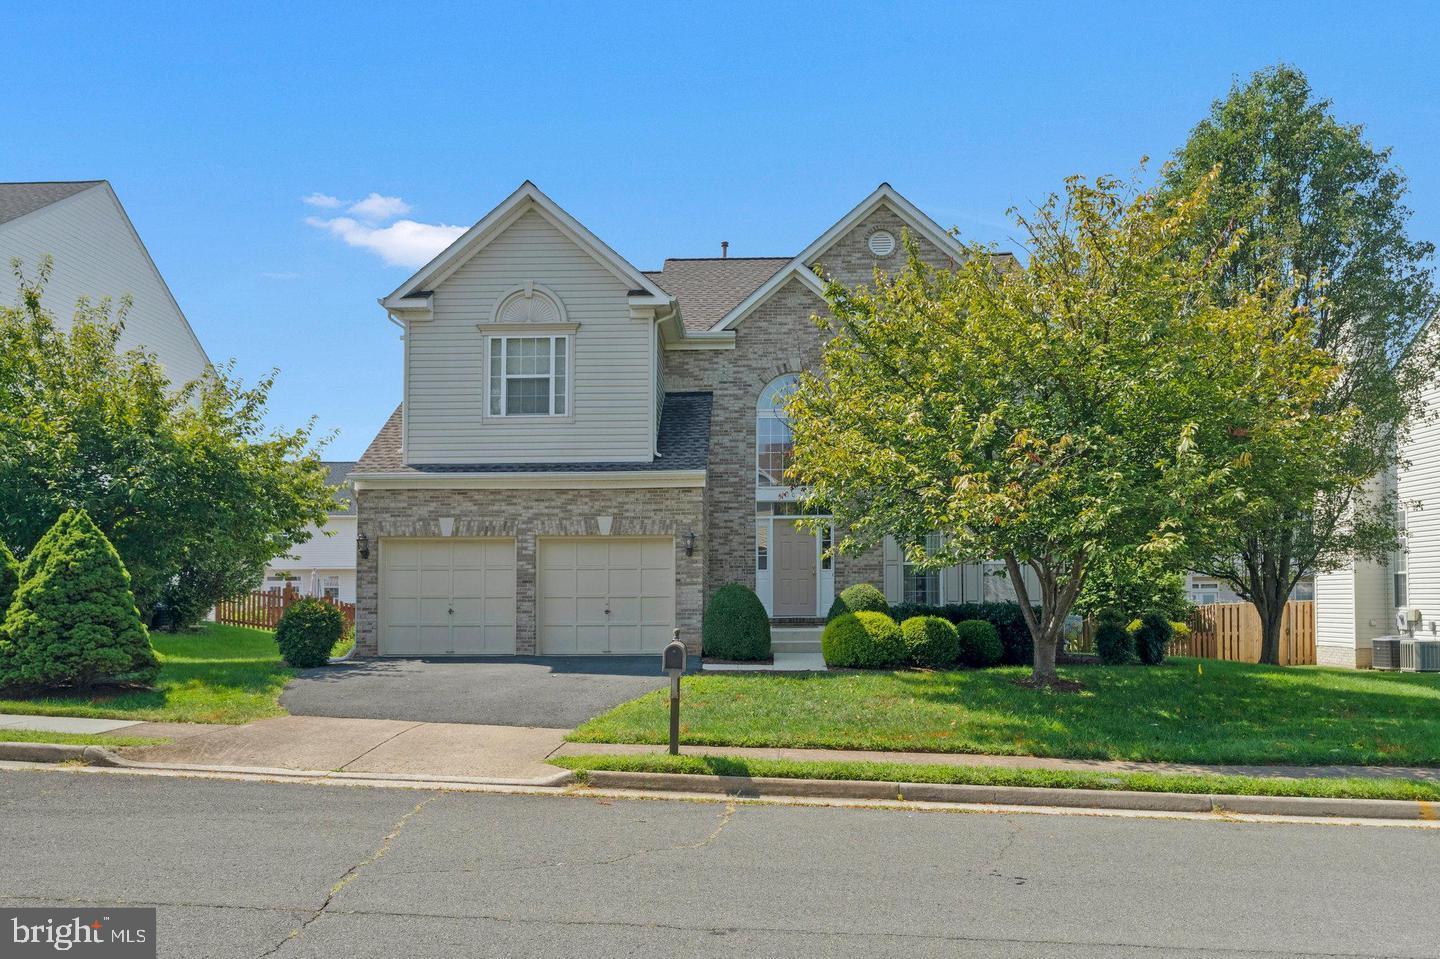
(1272, 615)
(1046, 646)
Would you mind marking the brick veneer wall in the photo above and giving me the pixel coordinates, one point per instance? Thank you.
(526, 515)
(778, 337)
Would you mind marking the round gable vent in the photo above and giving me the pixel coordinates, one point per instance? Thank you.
(882, 243)
(529, 306)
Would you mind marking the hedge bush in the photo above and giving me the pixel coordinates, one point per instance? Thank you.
(1153, 637)
(980, 644)
(736, 625)
(1114, 643)
(308, 632)
(9, 580)
(863, 640)
(73, 621)
(1009, 622)
(931, 641)
(860, 598)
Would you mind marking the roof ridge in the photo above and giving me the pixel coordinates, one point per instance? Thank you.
(47, 182)
(719, 259)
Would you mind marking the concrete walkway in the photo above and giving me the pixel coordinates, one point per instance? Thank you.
(1418, 773)
(396, 747)
(62, 724)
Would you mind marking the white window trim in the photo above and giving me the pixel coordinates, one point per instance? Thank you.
(907, 568)
(494, 340)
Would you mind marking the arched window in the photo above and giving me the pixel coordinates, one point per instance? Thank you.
(774, 440)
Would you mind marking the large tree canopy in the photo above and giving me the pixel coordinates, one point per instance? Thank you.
(180, 478)
(1316, 207)
(1086, 405)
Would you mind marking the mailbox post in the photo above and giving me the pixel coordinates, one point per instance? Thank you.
(672, 662)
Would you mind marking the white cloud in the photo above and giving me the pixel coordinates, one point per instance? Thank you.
(376, 207)
(323, 200)
(402, 243)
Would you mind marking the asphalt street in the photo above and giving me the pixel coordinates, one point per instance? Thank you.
(242, 869)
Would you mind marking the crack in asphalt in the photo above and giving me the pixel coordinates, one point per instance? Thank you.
(351, 873)
(1000, 854)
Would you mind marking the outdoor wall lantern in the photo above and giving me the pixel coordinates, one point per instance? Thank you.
(690, 543)
(362, 544)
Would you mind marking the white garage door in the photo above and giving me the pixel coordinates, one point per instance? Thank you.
(603, 595)
(447, 596)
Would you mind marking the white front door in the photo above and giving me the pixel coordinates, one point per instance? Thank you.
(447, 597)
(605, 595)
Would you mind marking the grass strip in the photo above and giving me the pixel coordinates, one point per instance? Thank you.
(1327, 788)
(74, 739)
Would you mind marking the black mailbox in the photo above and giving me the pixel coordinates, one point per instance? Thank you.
(672, 660)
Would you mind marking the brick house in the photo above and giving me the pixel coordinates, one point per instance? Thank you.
(585, 451)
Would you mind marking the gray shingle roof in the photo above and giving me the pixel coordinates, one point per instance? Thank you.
(709, 288)
(344, 498)
(18, 199)
(683, 441)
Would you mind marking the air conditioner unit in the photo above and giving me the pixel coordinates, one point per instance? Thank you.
(1402, 620)
(1420, 655)
(1385, 652)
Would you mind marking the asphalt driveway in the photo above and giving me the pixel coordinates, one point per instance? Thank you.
(553, 691)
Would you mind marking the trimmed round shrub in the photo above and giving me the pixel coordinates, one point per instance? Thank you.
(736, 625)
(73, 621)
(1153, 637)
(308, 632)
(860, 598)
(931, 641)
(980, 644)
(863, 640)
(1113, 642)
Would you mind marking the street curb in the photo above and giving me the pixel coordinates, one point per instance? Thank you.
(758, 787)
(60, 753)
(100, 756)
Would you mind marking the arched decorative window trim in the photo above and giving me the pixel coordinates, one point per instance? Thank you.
(771, 425)
(530, 290)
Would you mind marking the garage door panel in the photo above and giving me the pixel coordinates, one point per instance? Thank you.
(581, 578)
(443, 597)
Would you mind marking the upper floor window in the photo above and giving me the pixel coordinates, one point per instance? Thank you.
(1399, 563)
(774, 441)
(529, 375)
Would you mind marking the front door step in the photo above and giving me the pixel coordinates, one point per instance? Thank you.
(795, 639)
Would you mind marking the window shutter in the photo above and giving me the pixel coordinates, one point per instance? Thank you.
(893, 591)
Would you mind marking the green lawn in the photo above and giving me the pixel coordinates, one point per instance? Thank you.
(74, 739)
(219, 674)
(1002, 776)
(1185, 711)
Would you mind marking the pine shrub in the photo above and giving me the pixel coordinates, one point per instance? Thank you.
(736, 625)
(308, 632)
(1114, 643)
(73, 621)
(9, 580)
(1153, 637)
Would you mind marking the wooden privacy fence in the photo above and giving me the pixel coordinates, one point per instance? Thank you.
(263, 608)
(1232, 631)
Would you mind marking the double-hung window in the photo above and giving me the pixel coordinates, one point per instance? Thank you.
(529, 375)
(922, 586)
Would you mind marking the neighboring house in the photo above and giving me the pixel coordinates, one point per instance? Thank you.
(586, 451)
(96, 254)
(323, 565)
(1206, 590)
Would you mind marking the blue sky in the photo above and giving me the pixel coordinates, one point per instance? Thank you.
(665, 128)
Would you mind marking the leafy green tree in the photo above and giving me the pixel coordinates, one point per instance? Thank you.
(1133, 582)
(74, 621)
(1049, 415)
(183, 479)
(9, 579)
(1313, 204)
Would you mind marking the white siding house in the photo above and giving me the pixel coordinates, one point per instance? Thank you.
(323, 565)
(96, 254)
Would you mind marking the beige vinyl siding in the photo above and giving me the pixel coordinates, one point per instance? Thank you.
(97, 254)
(1335, 608)
(322, 551)
(1418, 484)
(659, 373)
(609, 360)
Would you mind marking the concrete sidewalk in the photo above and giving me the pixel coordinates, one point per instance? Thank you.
(355, 745)
(1417, 773)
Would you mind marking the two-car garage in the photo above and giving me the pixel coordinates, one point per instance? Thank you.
(592, 595)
